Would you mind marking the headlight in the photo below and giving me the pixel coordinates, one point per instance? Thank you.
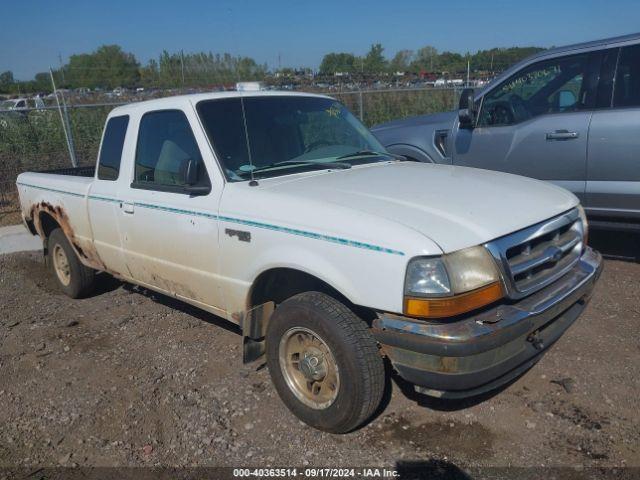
(427, 277)
(585, 225)
(451, 284)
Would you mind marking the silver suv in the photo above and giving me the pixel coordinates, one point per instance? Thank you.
(569, 115)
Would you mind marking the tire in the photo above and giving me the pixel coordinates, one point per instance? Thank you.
(73, 278)
(329, 331)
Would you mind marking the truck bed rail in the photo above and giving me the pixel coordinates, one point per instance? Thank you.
(73, 171)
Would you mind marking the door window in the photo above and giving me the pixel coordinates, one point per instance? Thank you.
(552, 86)
(165, 146)
(111, 149)
(626, 91)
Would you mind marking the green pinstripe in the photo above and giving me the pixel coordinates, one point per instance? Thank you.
(239, 221)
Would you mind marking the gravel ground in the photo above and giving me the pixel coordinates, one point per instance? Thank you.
(129, 377)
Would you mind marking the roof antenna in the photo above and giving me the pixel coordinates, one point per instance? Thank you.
(253, 182)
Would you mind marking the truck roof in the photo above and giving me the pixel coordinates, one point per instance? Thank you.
(590, 44)
(171, 102)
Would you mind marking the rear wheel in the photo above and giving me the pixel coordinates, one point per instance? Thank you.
(73, 278)
(324, 362)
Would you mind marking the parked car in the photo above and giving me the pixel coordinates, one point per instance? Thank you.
(283, 214)
(569, 115)
(17, 104)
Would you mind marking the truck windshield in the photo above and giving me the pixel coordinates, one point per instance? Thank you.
(279, 135)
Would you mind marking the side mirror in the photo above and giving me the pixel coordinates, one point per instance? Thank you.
(191, 179)
(466, 109)
(190, 172)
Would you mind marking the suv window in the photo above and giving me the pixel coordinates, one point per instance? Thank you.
(552, 86)
(111, 149)
(165, 145)
(627, 85)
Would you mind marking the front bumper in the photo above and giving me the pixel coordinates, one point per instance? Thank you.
(482, 351)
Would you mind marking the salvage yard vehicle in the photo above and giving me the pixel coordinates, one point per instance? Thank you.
(568, 115)
(283, 214)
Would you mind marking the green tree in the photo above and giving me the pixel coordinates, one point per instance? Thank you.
(108, 67)
(401, 61)
(426, 59)
(338, 62)
(42, 82)
(203, 69)
(374, 61)
(451, 62)
(6, 81)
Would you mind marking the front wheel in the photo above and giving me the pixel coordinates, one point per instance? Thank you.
(324, 362)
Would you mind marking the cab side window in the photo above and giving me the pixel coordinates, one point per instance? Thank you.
(626, 91)
(111, 149)
(552, 86)
(166, 147)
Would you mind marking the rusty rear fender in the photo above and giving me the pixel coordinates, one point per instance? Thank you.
(85, 250)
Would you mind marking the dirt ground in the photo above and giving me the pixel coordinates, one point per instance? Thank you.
(129, 377)
(9, 216)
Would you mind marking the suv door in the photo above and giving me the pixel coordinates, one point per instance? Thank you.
(613, 165)
(170, 235)
(535, 123)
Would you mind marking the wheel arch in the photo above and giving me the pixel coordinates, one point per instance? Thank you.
(47, 217)
(278, 283)
(410, 151)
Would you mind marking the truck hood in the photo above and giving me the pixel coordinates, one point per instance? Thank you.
(455, 207)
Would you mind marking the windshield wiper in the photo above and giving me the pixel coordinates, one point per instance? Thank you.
(301, 163)
(364, 153)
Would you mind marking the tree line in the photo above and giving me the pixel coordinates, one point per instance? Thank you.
(110, 66)
(426, 60)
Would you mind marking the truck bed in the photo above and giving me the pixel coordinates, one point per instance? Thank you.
(62, 195)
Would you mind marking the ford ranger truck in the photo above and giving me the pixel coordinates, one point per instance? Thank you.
(283, 214)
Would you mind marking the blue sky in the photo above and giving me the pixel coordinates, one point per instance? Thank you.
(34, 33)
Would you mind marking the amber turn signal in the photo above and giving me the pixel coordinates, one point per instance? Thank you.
(452, 306)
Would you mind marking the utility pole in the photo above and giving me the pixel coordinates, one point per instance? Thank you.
(468, 69)
(64, 119)
(61, 67)
(182, 66)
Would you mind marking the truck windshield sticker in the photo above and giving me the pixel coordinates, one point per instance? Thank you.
(334, 110)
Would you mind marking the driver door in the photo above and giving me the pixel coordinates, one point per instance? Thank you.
(535, 123)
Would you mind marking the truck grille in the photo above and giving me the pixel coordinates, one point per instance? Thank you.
(536, 256)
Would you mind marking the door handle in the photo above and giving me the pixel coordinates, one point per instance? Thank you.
(127, 207)
(562, 135)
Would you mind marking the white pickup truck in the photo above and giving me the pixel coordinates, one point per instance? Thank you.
(283, 214)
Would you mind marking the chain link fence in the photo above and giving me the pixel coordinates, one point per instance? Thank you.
(34, 140)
